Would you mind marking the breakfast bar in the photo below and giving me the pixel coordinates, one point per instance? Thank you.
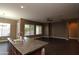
(28, 46)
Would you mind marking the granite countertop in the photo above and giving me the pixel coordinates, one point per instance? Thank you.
(28, 45)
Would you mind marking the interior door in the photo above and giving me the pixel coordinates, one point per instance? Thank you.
(73, 29)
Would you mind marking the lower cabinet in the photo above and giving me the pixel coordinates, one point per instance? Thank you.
(12, 50)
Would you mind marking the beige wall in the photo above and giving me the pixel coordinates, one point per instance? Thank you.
(46, 30)
(13, 26)
(57, 29)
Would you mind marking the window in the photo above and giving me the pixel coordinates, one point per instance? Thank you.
(4, 29)
(29, 29)
(38, 29)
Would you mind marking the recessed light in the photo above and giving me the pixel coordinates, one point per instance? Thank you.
(22, 6)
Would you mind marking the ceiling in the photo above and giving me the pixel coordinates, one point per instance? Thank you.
(39, 11)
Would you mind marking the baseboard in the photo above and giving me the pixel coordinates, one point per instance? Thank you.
(3, 41)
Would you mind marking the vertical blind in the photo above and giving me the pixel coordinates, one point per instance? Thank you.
(4, 29)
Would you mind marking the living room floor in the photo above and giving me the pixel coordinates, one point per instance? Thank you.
(54, 47)
(62, 47)
(4, 48)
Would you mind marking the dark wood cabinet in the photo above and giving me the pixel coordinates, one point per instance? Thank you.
(12, 50)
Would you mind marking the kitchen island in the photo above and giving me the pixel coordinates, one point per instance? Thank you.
(28, 46)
